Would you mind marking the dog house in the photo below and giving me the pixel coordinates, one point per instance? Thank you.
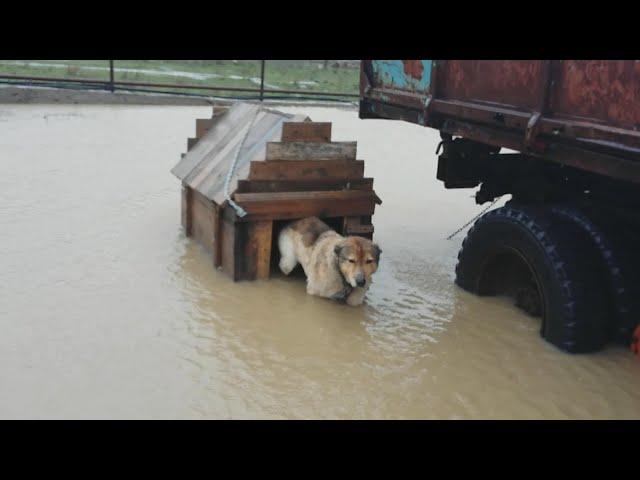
(275, 168)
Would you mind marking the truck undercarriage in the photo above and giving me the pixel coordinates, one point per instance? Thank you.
(564, 247)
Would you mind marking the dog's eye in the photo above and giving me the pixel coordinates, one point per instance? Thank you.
(352, 261)
(370, 261)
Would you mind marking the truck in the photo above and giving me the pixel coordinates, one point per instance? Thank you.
(561, 140)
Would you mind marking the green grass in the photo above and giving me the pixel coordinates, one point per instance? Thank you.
(287, 75)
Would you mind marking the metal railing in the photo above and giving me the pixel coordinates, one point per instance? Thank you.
(112, 84)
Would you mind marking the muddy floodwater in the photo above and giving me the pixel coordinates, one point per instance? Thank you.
(108, 311)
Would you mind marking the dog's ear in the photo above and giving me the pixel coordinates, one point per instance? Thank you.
(376, 252)
(337, 249)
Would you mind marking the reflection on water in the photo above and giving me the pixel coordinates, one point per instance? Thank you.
(108, 311)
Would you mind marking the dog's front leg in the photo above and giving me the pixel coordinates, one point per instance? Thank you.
(356, 297)
(341, 295)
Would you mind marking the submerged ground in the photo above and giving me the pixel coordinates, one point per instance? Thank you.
(108, 311)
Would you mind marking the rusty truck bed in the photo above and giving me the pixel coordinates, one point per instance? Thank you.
(581, 113)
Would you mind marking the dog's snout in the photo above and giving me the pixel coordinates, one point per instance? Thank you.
(360, 280)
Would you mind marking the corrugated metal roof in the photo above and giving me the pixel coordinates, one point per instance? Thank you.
(205, 166)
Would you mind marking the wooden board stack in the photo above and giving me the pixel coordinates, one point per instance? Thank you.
(303, 174)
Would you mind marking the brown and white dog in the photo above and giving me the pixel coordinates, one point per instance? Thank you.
(336, 267)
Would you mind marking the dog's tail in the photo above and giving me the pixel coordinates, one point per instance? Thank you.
(288, 259)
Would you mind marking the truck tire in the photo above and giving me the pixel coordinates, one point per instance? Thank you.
(519, 245)
(620, 267)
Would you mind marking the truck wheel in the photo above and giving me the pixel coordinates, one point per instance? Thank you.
(547, 267)
(616, 253)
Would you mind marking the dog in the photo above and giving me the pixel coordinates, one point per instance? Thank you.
(336, 267)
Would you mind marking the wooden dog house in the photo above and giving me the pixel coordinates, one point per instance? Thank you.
(287, 168)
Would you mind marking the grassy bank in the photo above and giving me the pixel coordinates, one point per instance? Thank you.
(285, 75)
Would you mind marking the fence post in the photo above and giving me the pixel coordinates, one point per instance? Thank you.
(262, 80)
(112, 86)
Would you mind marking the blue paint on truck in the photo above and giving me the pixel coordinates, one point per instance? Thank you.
(412, 75)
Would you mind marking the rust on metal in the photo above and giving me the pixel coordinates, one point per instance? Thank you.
(414, 68)
(504, 82)
(525, 105)
(607, 91)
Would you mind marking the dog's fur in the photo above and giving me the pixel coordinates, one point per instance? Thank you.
(336, 267)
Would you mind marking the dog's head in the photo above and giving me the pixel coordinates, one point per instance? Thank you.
(358, 259)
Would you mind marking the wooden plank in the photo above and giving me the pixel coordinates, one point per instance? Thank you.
(307, 170)
(311, 151)
(347, 222)
(245, 265)
(202, 125)
(185, 211)
(296, 212)
(359, 229)
(228, 245)
(356, 226)
(257, 186)
(217, 237)
(202, 229)
(259, 249)
(336, 195)
(213, 243)
(244, 261)
(282, 205)
(306, 132)
(220, 110)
